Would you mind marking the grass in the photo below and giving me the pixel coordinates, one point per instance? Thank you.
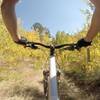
(87, 78)
(17, 90)
(21, 80)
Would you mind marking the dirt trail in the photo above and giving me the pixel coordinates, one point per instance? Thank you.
(25, 83)
(21, 82)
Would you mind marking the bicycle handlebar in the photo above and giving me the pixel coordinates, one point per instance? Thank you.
(34, 45)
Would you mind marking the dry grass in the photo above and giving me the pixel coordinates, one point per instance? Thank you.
(20, 83)
(23, 82)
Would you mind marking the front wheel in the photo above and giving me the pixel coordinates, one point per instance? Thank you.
(45, 83)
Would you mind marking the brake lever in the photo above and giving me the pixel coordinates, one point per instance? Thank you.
(31, 45)
(71, 47)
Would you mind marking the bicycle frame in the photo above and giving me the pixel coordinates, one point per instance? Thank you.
(53, 91)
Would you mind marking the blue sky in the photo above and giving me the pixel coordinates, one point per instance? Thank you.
(56, 15)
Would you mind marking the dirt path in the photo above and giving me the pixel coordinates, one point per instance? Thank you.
(21, 82)
(25, 83)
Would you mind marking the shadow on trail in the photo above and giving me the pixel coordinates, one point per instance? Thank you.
(29, 93)
(90, 90)
(68, 90)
